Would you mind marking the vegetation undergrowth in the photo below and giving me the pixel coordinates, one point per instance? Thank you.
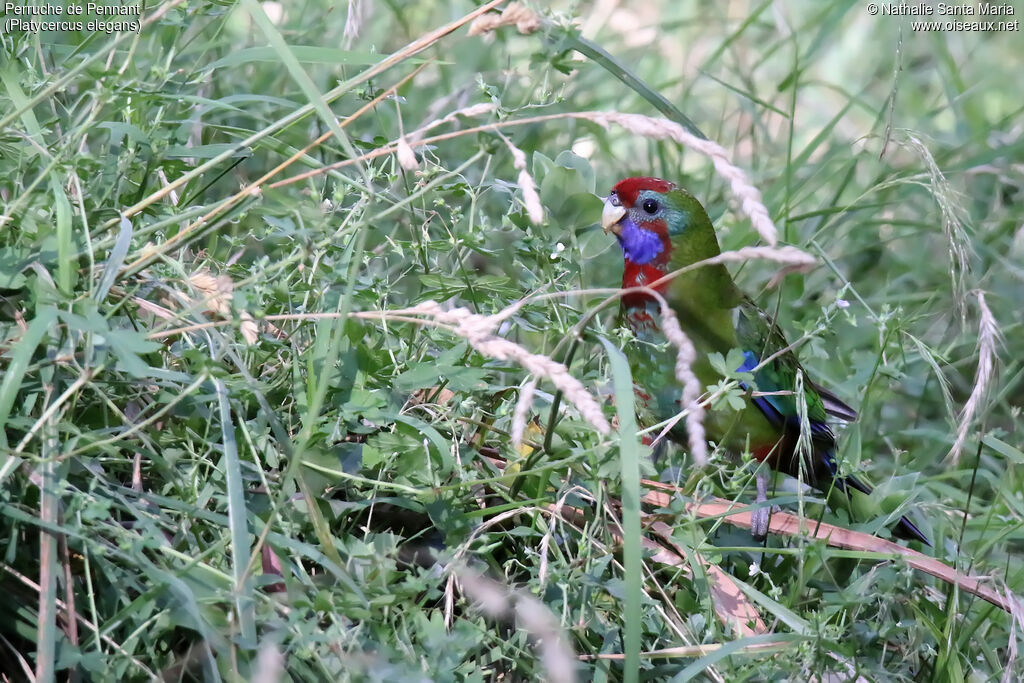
(239, 441)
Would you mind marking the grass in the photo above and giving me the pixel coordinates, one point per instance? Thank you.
(238, 445)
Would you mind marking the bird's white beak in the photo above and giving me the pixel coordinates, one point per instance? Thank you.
(611, 215)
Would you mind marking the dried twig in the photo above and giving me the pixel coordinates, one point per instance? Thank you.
(790, 525)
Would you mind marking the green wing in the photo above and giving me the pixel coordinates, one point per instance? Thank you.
(760, 338)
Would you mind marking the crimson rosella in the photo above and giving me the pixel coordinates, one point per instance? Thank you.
(662, 228)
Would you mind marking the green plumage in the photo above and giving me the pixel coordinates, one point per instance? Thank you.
(783, 420)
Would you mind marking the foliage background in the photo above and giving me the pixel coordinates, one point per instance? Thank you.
(267, 499)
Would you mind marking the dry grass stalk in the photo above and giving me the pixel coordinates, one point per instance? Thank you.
(531, 199)
(409, 50)
(686, 355)
(406, 157)
(953, 219)
(470, 111)
(522, 412)
(355, 19)
(556, 517)
(787, 255)
(988, 338)
(525, 20)
(491, 603)
(1016, 627)
(269, 664)
(499, 602)
(654, 128)
(106, 639)
(556, 654)
(663, 129)
(154, 309)
(732, 606)
(478, 330)
(217, 291)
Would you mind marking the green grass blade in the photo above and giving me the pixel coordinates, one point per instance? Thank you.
(729, 649)
(67, 264)
(629, 461)
(237, 517)
(301, 78)
(116, 259)
(14, 373)
(616, 68)
(305, 54)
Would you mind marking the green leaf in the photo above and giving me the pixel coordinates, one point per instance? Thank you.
(20, 355)
(444, 449)
(237, 519)
(585, 174)
(126, 344)
(116, 259)
(12, 261)
(120, 130)
(567, 190)
(428, 374)
(718, 363)
(1012, 454)
(593, 243)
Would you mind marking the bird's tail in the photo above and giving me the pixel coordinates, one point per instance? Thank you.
(904, 529)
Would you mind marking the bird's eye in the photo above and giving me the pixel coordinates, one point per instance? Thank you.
(650, 206)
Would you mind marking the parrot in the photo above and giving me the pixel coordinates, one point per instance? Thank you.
(661, 228)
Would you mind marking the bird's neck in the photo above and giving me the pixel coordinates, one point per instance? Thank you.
(703, 298)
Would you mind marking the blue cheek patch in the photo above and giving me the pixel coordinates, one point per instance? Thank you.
(640, 246)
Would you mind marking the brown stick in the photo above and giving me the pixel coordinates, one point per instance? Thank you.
(790, 525)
